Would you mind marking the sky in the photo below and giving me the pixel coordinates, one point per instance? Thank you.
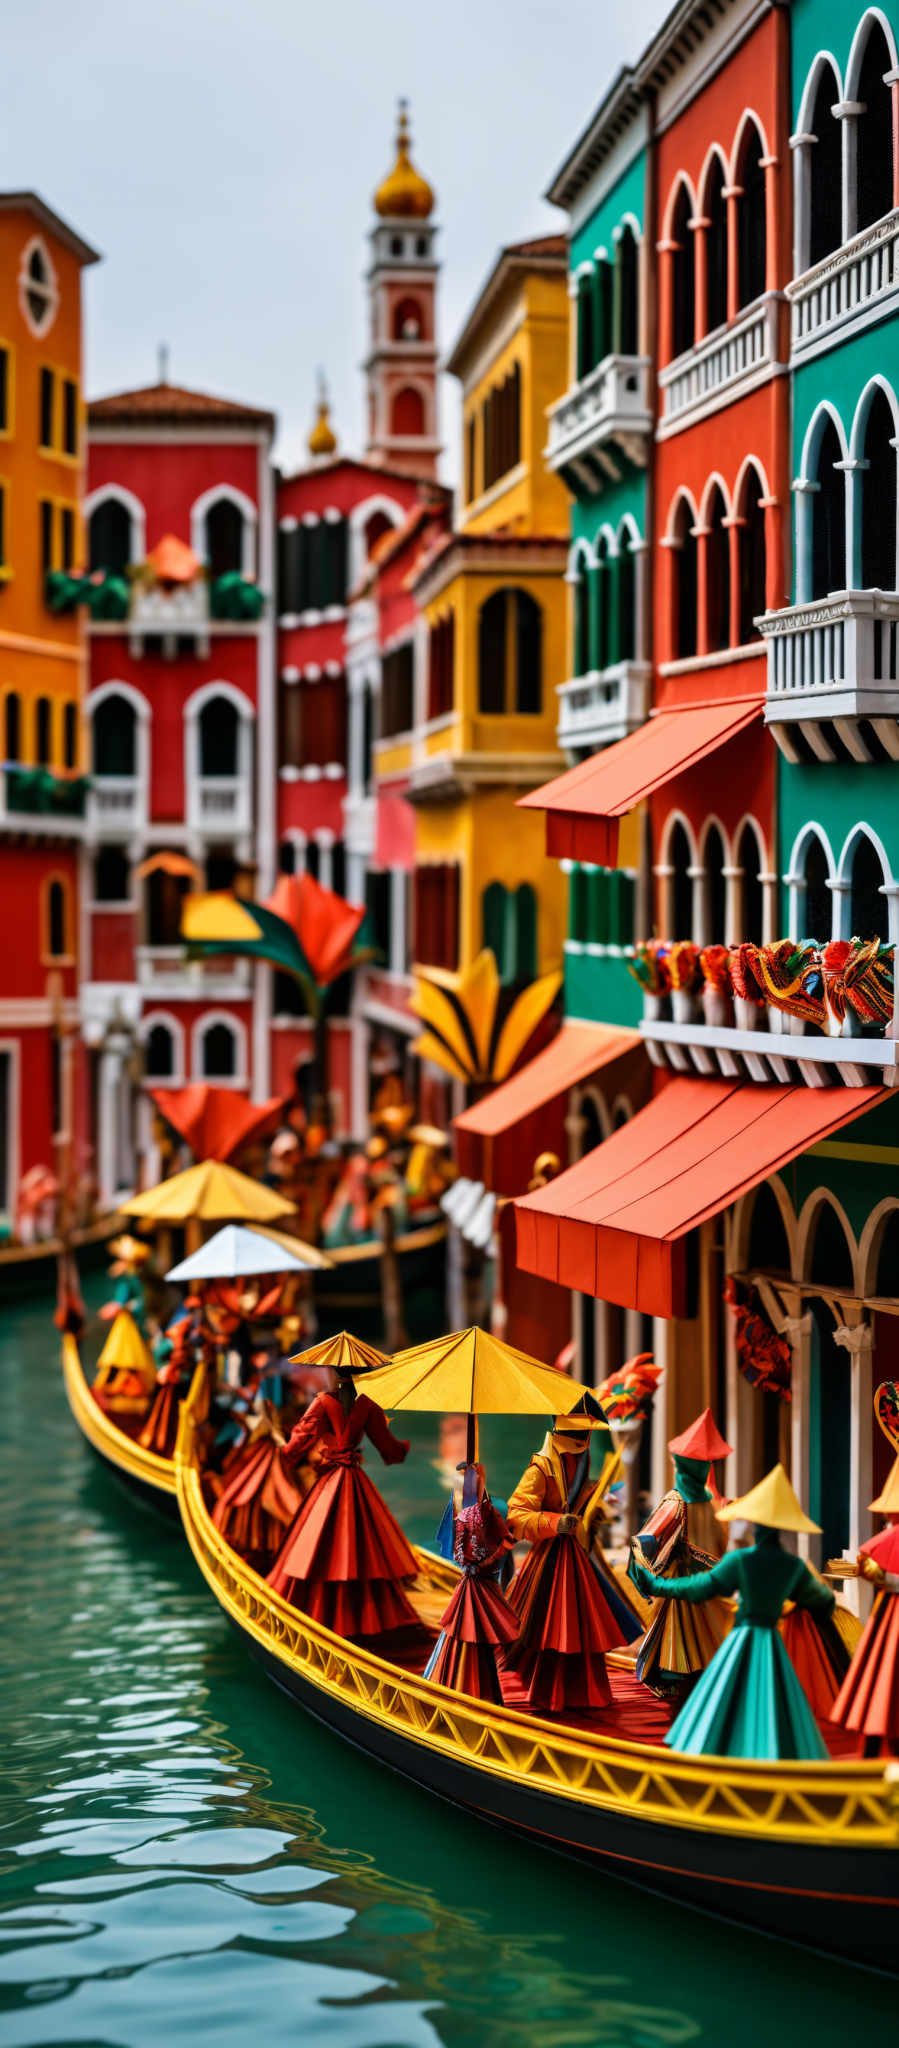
(223, 160)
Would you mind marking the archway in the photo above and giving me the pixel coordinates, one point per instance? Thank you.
(830, 1387)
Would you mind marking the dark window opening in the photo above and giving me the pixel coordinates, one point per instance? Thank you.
(869, 914)
(46, 397)
(112, 875)
(752, 557)
(586, 337)
(751, 225)
(441, 660)
(115, 737)
(70, 417)
(13, 728)
(109, 538)
(377, 903)
(685, 583)
(831, 1257)
(68, 538)
(751, 922)
(223, 538)
(717, 575)
(407, 321)
(4, 389)
(626, 258)
(70, 735)
(828, 516)
(818, 897)
(397, 679)
(219, 1053)
(46, 519)
(159, 1053)
(510, 631)
(715, 211)
(56, 920)
(715, 891)
(683, 277)
(163, 900)
(878, 486)
(826, 177)
(769, 1247)
(874, 163)
(44, 732)
(680, 884)
(437, 916)
(627, 596)
(581, 622)
(221, 868)
(219, 729)
(407, 413)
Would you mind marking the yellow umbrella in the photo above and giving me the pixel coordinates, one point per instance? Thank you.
(342, 1353)
(125, 1351)
(472, 1373)
(213, 1192)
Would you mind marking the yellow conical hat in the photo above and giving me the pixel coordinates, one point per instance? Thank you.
(887, 1502)
(125, 1351)
(772, 1504)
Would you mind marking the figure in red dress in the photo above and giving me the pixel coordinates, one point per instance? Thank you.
(868, 1701)
(344, 1560)
(478, 1623)
(570, 1606)
(258, 1500)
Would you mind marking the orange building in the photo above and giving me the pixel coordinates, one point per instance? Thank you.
(42, 667)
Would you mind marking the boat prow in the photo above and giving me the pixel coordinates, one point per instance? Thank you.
(148, 1477)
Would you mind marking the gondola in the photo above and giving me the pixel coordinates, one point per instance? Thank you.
(809, 1852)
(147, 1477)
(358, 1274)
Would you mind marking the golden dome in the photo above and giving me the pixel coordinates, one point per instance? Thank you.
(404, 194)
(322, 440)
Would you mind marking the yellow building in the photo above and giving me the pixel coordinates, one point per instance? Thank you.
(492, 650)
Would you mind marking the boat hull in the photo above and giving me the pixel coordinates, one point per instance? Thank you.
(147, 1478)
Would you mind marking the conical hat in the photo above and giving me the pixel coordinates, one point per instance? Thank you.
(703, 1439)
(772, 1504)
(887, 1502)
(577, 1424)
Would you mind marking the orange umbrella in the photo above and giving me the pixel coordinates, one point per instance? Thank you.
(215, 1122)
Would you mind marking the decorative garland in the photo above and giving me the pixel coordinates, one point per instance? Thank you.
(764, 1358)
(795, 976)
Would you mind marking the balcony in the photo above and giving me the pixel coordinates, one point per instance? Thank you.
(219, 806)
(846, 290)
(602, 424)
(722, 366)
(164, 971)
(172, 615)
(602, 706)
(833, 677)
(115, 804)
(36, 800)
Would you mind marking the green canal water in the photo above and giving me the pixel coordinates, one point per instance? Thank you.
(185, 1858)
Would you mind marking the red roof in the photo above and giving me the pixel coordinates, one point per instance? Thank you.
(540, 245)
(498, 1139)
(172, 405)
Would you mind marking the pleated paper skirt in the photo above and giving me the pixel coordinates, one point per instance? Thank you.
(571, 1611)
(818, 1654)
(748, 1703)
(868, 1700)
(258, 1501)
(161, 1427)
(679, 1642)
(344, 1559)
(477, 1626)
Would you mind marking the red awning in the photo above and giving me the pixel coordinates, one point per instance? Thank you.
(216, 1122)
(584, 805)
(395, 832)
(616, 1224)
(498, 1139)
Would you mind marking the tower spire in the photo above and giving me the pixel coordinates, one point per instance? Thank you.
(322, 441)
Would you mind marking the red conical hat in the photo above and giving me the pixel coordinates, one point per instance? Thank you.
(703, 1439)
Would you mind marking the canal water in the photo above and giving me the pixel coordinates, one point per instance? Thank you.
(185, 1858)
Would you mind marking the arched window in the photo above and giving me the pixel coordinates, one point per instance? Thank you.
(714, 210)
(831, 1257)
(70, 735)
(680, 884)
(510, 654)
(751, 229)
(219, 1053)
(769, 1245)
(751, 555)
(219, 725)
(110, 538)
(715, 891)
(586, 324)
(887, 1255)
(159, 1053)
(407, 413)
(57, 919)
(115, 737)
(12, 737)
(717, 576)
(604, 578)
(603, 294)
(44, 732)
(824, 196)
(509, 930)
(163, 903)
(376, 527)
(878, 491)
(818, 905)
(874, 162)
(828, 515)
(683, 275)
(627, 595)
(626, 342)
(869, 913)
(581, 597)
(223, 538)
(407, 320)
(752, 904)
(683, 635)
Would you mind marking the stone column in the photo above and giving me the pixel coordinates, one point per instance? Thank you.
(802, 146)
(700, 226)
(848, 112)
(733, 194)
(798, 1331)
(858, 1339)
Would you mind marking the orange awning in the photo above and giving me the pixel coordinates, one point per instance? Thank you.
(616, 1224)
(216, 1122)
(498, 1139)
(583, 806)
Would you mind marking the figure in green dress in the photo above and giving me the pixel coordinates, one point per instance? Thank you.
(748, 1702)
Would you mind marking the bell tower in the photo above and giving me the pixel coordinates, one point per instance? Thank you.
(401, 366)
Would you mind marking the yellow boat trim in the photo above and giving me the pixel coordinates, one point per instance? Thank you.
(846, 1803)
(112, 1443)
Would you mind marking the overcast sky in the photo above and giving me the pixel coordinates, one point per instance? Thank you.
(222, 158)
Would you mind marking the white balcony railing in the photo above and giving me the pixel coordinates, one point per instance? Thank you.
(220, 803)
(115, 804)
(602, 706)
(733, 355)
(166, 971)
(841, 291)
(607, 409)
(836, 659)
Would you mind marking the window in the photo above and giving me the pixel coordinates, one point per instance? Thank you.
(377, 904)
(715, 920)
(581, 599)
(396, 245)
(4, 390)
(44, 732)
(509, 931)
(751, 555)
(684, 555)
(332, 587)
(46, 407)
(828, 514)
(869, 915)
(586, 328)
(818, 906)
(159, 1053)
(112, 875)
(471, 429)
(601, 906)
(67, 527)
(874, 165)
(322, 709)
(878, 492)
(57, 919)
(604, 574)
(110, 544)
(628, 320)
(163, 899)
(421, 245)
(680, 885)
(502, 428)
(441, 659)
(626, 607)
(287, 857)
(407, 413)
(510, 654)
(219, 726)
(115, 737)
(2, 526)
(683, 275)
(826, 173)
(407, 322)
(46, 524)
(437, 916)
(396, 690)
(717, 579)
(751, 226)
(375, 529)
(752, 904)
(70, 416)
(223, 538)
(12, 737)
(40, 296)
(70, 735)
(714, 210)
(219, 1053)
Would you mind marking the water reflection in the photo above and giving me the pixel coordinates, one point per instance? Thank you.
(185, 1856)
